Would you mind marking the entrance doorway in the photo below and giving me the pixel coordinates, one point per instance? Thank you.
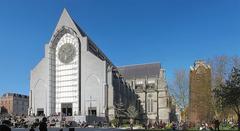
(40, 112)
(66, 109)
(92, 111)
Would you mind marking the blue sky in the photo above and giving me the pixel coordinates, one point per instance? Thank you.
(173, 32)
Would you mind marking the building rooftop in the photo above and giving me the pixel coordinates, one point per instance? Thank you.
(199, 63)
(140, 70)
(14, 95)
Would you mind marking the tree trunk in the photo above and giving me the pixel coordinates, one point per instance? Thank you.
(238, 121)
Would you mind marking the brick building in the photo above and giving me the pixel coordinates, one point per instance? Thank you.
(15, 104)
(200, 100)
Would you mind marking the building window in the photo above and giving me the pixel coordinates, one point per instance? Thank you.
(139, 82)
(151, 81)
(150, 103)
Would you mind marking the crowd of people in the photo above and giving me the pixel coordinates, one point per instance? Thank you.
(166, 125)
(213, 125)
(6, 125)
(42, 123)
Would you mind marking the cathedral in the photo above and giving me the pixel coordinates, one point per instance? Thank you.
(149, 83)
(76, 78)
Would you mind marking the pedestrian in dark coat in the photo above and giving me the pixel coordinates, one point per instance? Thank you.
(43, 124)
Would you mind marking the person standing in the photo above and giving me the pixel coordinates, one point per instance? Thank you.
(32, 128)
(4, 128)
(131, 123)
(217, 124)
(43, 124)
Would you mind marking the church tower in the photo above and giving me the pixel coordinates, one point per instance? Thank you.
(200, 100)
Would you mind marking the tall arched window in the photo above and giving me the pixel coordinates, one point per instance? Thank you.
(150, 103)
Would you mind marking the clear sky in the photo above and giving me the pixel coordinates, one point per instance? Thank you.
(173, 32)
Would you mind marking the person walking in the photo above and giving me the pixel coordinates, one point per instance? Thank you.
(216, 125)
(43, 124)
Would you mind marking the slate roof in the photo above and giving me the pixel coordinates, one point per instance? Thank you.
(79, 29)
(140, 71)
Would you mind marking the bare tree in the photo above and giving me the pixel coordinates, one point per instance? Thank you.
(180, 89)
(221, 69)
(236, 61)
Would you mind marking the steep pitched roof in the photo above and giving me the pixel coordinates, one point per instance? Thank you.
(140, 71)
(66, 21)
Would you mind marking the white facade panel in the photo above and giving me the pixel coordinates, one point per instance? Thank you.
(67, 74)
(39, 88)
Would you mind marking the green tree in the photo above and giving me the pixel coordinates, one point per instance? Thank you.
(120, 112)
(132, 112)
(221, 68)
(228, 96)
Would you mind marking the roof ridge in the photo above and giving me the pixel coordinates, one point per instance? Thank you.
(150, 63)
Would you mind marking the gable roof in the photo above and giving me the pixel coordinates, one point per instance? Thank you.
(66, 21)
(140, 71)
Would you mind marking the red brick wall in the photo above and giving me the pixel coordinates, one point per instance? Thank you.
(7, 103)
(200, 99)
